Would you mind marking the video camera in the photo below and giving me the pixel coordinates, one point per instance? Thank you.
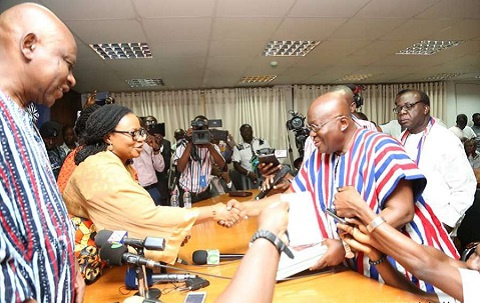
(202, 135)
(297, 125)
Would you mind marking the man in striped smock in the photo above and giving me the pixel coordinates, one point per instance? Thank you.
(37, 263)
(380, 170)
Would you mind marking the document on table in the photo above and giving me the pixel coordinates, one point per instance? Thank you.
(304, 234)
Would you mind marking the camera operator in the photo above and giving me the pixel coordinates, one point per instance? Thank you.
(194, 157)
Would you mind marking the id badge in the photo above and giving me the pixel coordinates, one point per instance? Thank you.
(203, 181)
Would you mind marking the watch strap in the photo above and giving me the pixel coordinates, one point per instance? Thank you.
(274, 240)
(375, 223)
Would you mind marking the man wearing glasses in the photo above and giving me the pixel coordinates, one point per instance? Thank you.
(378, 168)
(440, 155)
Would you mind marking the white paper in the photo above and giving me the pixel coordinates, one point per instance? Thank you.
(303, 227)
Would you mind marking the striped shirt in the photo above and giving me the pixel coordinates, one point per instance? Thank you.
(374, 165)
(190, 179)
(36, 237)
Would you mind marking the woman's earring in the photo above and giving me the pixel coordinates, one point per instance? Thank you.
(110, 147)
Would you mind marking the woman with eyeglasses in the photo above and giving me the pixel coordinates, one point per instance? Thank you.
(104, 188)
(369, 233)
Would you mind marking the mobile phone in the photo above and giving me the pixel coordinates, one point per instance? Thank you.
(268, 159)
(333, 213)
(195, 297)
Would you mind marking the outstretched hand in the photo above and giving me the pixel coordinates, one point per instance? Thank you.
(334, 255)
(225, 215)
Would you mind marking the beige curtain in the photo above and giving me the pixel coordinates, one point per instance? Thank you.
(263, 108)
(378, 98)
(175, 108)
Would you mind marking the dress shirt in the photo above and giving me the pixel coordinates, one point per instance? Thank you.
(244, 154)
(147, 164)
(450, 180)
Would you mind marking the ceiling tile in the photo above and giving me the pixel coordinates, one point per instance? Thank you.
(365, 29)
(177, 8)
(107, 31)
(177, 29)
(179, 49)
(416, 30)
(394, 8)
(253, 8)
(236, 48)
(453, 9)
(244, 28)
(307, 28)
(91, 9)
(327, 8)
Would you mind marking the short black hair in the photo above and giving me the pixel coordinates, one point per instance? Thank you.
(423, 96)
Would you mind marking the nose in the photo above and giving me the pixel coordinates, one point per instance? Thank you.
(71, 80)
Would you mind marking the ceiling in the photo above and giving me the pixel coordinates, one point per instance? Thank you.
(214, 43)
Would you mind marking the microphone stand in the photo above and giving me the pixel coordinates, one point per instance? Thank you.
(143, 290)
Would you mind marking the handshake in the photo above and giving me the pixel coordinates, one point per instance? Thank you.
(227, 215)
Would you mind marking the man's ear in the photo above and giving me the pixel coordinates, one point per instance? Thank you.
(344, 124)
(426, 110)
(28, 45)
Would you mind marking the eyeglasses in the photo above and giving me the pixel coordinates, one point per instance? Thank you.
(135, 134)
(315, 128)
(407, 106)
(470, 249)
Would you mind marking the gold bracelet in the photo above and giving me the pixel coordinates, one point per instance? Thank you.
(375, 223)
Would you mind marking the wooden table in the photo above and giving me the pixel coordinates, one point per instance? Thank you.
(331, 286)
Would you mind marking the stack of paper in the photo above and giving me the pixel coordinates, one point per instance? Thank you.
(304, 233)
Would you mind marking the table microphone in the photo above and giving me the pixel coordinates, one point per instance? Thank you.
(171, 278)
(278, 176)
(212, 256)
(117, 255)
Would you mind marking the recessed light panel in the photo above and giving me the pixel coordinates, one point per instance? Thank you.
(145, 82)
(289, 48)
(355, 78)
(444, 76)
(429, 47)
(122, 50)
(258, 79)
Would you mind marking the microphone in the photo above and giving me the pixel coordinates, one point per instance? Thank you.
(278, 176)
(171, 278)
(212, 256)
(117, 254)
(149, 243)
(107, 236)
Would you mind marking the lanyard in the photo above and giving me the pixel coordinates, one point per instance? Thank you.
(426, 131)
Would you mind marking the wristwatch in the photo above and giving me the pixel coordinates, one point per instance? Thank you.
(274, 240)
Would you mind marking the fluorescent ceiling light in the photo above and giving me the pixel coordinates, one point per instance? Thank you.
(145, 82)
(122, 50)
(429, 47)
(355, 78)
(444, 76)
(289, 48)
(258, 79)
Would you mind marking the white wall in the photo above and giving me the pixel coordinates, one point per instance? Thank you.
(462, 98)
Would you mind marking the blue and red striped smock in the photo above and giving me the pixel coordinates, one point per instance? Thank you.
(374, 165)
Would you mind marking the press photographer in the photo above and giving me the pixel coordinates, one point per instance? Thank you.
(194, 158)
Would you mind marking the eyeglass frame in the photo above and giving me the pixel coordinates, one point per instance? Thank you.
(469, 250)
(134, 134)
(407, 106)
(315, 128)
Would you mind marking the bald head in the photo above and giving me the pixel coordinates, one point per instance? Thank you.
(37, 53)
(329, 115)
(329, 104)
